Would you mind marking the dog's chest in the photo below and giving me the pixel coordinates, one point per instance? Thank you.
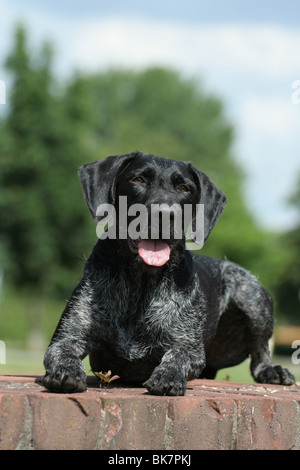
(144, 319)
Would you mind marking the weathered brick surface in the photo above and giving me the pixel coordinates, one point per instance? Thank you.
(72, 423)
(133, 422)
(12, 417)
(203, 423)
(265, 423)
(212, 415)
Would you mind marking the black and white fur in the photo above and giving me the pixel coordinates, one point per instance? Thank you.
(159, 326)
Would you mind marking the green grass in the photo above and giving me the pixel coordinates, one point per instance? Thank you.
(241, 373)
(24, 318)
(22, 362)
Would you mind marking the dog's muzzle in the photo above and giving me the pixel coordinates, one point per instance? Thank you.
(155, 244)
(152, 252)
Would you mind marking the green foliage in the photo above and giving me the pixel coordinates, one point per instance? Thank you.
(43, 230)
(288, 286)
(25, 318)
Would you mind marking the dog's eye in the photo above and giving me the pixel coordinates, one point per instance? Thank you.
(183, 188)
(138, 179)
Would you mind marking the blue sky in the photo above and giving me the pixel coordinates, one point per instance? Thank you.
(246, 53)
(281, 12)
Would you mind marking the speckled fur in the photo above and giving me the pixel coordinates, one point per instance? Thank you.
(159, 326)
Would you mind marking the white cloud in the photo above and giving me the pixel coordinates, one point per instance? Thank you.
(268, 51)
(268, 146)
(265, 51)
(271, 116)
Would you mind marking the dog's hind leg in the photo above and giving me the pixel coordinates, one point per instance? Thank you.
(244, 291)
(263, 369)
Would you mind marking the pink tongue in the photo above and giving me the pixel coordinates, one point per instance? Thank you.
(154, 252)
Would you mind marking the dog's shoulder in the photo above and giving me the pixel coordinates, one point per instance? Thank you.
(105, 254)
(206, 265)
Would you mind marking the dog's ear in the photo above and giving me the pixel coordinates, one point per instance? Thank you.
(98, 180)
(211, 196)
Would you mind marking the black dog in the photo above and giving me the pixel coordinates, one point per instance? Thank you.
(150, 310)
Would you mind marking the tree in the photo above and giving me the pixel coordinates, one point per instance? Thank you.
(288, 285)
(42, 232)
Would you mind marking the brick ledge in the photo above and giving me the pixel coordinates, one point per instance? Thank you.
(213, 415)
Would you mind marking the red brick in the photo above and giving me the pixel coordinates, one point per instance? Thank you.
(133, 423)
(65, 422)
(264, 423)
(213, 415)
(201, 424)
(12, 419)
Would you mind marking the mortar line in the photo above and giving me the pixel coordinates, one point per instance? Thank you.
(99, 443)
(234, 426)
(25, 442)
(167, 445)
(296, 446)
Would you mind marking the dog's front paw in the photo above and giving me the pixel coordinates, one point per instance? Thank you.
(166, 382)
(275, 375)
(69, 378)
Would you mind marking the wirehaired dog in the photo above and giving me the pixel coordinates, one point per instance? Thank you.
(148, 309)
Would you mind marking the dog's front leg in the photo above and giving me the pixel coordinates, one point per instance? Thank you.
(176, 367)
(64, 370)
(69, 345)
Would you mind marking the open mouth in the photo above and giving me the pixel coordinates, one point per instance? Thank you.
(152, 252)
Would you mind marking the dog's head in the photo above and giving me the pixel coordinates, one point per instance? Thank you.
(154, 199)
